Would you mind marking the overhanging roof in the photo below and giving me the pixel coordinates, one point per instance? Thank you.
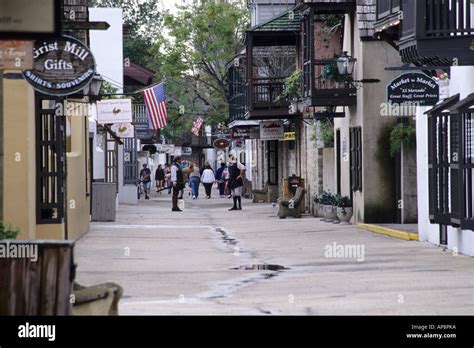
(139, 73)
(288, 21)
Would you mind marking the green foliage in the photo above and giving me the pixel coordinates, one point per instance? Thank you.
(342, 201)
(331, 72)
(401, 134)
(325, 133)
(327, 198)
(107, 88)
(292, 88)
(8, 231)
(202, 38)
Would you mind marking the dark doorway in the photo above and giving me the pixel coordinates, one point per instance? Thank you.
(273, 162)
(338, 161)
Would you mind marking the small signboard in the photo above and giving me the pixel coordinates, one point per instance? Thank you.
(30, 19)
(289, 136)
(124, 130)
(187, 151)
(221, 144)
(271, 130)
(16, 55)
(178, 151)
(61, 67)
(413, 88)
(240, 133)
(114, 111)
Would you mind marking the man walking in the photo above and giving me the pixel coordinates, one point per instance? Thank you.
(220, 179)
(145, 177)
(236, 172)
(177, 180)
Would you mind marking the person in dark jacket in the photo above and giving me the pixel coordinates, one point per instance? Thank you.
(220, 179)
(159, 178)
(177, 180)
(236, 172)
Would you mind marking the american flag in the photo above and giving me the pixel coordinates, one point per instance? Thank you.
(197, 126)
(155, 102)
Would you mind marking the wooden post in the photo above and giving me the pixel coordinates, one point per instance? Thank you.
(1, 146)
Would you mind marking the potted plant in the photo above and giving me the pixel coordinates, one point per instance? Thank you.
(344, 209)
(8, 231)
(316, 205)
(327, 201)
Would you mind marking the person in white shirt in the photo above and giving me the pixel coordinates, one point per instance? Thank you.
(208, 179)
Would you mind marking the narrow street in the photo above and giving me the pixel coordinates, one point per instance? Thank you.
(191, 263)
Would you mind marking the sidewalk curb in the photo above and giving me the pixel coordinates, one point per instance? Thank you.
(389, 232)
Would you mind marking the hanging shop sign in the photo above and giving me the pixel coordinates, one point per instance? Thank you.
(221, 144)
(240, 133)
(413, 88)
(16, 55)
(124, 130)
(114, 111)
(272, 130)
(61, 67)
(187, 151)
(28, 19)
(287, 136)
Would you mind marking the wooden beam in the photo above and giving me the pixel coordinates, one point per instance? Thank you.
(86, 25)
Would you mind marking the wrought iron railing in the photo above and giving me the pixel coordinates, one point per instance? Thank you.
(265, 92)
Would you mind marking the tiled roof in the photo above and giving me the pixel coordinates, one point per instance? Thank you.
(287, 21)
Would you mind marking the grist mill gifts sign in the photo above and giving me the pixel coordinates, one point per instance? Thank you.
(61, 67)
(413, 88)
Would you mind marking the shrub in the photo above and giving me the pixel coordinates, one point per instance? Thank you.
(8, 231)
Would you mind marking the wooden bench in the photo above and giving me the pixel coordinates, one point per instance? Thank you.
(291, 206)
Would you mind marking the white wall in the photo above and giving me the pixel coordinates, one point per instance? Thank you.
(107, 45)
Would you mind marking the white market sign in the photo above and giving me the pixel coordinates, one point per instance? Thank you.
(114, 111)
(272, 130)
(61, 67)
(124, 130)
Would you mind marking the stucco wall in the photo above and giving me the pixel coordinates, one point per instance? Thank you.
(78, 204)
(19, 157)
(377, 201)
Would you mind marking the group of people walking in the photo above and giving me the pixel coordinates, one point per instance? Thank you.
(229, 178)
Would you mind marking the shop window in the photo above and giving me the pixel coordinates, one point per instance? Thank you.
(50, 163)
(355, 134)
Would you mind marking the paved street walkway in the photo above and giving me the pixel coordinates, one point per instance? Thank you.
(192, 263)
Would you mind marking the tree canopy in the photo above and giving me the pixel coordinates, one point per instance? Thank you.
(202, 38)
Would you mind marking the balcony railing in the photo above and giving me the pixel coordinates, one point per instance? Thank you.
(440, 28)
(265, 92)
(329, 90)
(387, 8)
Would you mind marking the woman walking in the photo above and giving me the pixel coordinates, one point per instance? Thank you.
(208, 179)
(159, 178)
(194, 180)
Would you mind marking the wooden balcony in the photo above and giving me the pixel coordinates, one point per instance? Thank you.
(271, 56)
(327, 92)
(437, 32)
(263, 98)
(321, 85)
(388, 16)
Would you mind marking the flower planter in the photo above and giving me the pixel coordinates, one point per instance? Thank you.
(322, 213)
(316, 207)
(330, 213)
(345, 215)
